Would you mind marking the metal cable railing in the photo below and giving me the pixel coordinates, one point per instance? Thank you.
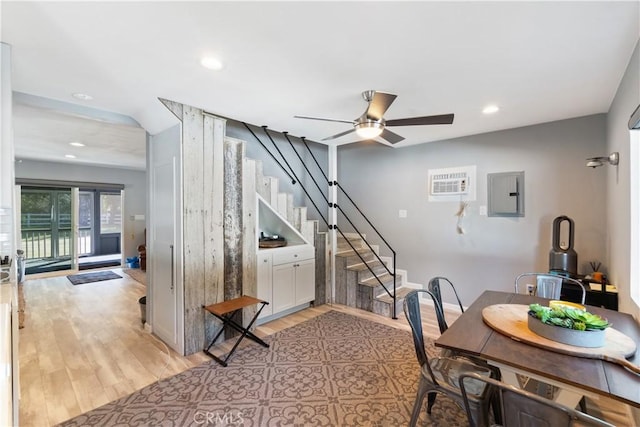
(294, 178)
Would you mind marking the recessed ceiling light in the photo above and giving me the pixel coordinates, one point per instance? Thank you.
(70, 156)
(211, 63)
(76, 144)
(490, 109)
(82, 96)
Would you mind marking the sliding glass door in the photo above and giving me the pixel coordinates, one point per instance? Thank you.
(47, 229)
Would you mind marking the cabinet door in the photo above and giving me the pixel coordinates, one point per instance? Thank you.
(265, 288)
(284, 287)
(305, 281)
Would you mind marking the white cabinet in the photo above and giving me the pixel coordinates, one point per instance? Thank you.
(305, 272)
(284, 287)
(286, 278)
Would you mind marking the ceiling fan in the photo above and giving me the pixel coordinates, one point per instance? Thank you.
(372, 123)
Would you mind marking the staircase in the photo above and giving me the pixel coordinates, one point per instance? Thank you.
(296, 218)
(268, 188)
(357, 286)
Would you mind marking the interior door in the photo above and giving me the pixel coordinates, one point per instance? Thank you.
(164, 255)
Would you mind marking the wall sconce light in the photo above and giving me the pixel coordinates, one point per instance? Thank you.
(612, 159)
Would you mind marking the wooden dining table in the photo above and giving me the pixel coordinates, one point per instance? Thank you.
(575, 376)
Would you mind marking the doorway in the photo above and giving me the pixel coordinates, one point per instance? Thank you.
(46, 224)
(68, 228)
(99, 228)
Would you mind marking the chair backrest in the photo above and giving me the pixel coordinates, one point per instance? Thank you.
(412, 312)
(434, 288)
(521, 408)
(547, 285)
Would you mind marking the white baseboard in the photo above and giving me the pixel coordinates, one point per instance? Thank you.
(429, 301)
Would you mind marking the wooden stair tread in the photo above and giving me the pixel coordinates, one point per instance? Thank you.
(400, 293)
(385, 278)
(363, 266)
(351, 252)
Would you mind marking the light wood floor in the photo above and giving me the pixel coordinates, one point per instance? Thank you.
(84, 346)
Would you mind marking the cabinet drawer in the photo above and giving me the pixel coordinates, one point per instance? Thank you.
(292, 254)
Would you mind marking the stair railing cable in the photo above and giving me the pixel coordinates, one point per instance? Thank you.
(331, 205)
(304, 141)
(392, 273)
(335, 205)
(293, 176)
(293, 181)
(284, 159)
(286, 135)
(266, 131)
(372, 226)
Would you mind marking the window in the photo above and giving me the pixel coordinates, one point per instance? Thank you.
(110, 213)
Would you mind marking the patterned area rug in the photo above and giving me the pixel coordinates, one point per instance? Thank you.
(333, 370)
(98, 276)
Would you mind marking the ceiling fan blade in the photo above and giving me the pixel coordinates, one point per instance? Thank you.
(379, 104)
(338, 135)
(392, 137)
(324, 119)
(443, 119)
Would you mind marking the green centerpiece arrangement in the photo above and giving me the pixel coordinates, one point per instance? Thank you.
(567, 317)
(567, 325)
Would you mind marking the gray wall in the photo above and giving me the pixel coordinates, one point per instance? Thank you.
(626, 100)
(134, 191)
(493, 251)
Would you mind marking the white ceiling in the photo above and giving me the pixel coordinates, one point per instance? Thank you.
(538, 61)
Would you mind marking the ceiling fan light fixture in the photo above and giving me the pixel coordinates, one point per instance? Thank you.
(369, 130)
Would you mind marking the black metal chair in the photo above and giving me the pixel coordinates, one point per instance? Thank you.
(548, 285)
(434, 288)
(440, 374)
(521, 408)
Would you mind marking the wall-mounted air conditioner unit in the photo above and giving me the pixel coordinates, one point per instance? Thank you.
(452, 184)
(449, 184)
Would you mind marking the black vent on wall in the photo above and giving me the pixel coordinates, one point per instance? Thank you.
(634, 121)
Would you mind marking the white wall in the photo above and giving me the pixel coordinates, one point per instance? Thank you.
(134, 191)
(626, 100)
(493, 251)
